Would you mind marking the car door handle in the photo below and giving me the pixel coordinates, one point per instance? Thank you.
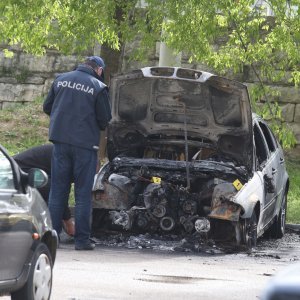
(281, 161)
(274, 171)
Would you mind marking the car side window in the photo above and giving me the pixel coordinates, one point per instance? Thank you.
(260, 146)
(268, 136)
(6, 173)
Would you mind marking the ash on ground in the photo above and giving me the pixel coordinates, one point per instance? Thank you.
(172, 243)
(286, 248)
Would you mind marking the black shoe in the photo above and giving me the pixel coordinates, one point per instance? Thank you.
(88, 246)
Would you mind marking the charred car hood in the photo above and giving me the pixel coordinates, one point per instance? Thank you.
(176, 106)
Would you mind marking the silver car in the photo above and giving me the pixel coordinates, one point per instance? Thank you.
(27, 240)
(186, 154)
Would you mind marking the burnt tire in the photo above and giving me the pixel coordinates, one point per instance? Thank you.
(250, 231)
(99, 216)
(277, 229)
(39, 282)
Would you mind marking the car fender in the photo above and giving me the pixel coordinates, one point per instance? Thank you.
(229, 203)
(250, 194)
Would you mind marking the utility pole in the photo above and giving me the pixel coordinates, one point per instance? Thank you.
(167, 57)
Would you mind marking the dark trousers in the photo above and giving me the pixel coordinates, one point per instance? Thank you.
(45, 190)
(72, 163)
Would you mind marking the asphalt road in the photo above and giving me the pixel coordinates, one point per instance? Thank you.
(116, 272)
(120, 273)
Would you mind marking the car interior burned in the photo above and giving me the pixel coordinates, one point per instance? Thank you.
(180, 149)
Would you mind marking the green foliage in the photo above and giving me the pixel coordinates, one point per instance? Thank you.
(273, 113)
(233, 35)
(225, 34)
(7, 53)
(22, 74)
(69, 26)
(25, 126)
(244, 34)
(284, 134)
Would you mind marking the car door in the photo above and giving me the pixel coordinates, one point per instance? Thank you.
(277, 161)
(265, 167)
(15, 222)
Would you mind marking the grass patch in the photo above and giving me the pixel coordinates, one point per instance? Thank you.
(23, 126)
(293, 208)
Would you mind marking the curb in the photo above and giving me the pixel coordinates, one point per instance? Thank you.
(294, 227)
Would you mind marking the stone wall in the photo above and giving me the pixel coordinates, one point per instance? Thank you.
(289, 102)
(25, 77)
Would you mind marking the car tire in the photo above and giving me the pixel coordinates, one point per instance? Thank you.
(98, 216)
(39, 283)
(277, 229)
(249, 230)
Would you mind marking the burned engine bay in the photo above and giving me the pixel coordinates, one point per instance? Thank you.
(180, 148)
(169, 196)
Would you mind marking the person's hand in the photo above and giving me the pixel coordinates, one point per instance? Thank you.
(69, 226)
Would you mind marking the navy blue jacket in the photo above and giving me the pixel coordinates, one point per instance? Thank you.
(78, 105)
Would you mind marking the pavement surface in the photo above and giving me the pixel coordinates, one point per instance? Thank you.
(143, 267)
(133, 271)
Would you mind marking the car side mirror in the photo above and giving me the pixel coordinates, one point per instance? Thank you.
(37, 178)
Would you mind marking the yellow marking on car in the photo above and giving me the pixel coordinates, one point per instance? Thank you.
(237, 184)
(156, 180)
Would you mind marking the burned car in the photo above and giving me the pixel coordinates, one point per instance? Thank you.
(186, 154)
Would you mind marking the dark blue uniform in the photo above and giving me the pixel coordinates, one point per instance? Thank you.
(78, 105)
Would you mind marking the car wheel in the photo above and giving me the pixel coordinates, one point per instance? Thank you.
(277, 230)
(98, 217)
(249, 231)
(39, 283)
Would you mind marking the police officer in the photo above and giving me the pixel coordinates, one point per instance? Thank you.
(78, 105)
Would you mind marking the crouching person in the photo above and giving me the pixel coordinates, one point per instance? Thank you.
(40, 157)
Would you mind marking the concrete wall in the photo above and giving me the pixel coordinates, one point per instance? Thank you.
(25, 77)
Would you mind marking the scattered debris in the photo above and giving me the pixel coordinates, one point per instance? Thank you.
(173, 243)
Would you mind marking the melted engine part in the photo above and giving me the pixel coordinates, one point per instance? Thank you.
(151, 195)
(164, 207)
